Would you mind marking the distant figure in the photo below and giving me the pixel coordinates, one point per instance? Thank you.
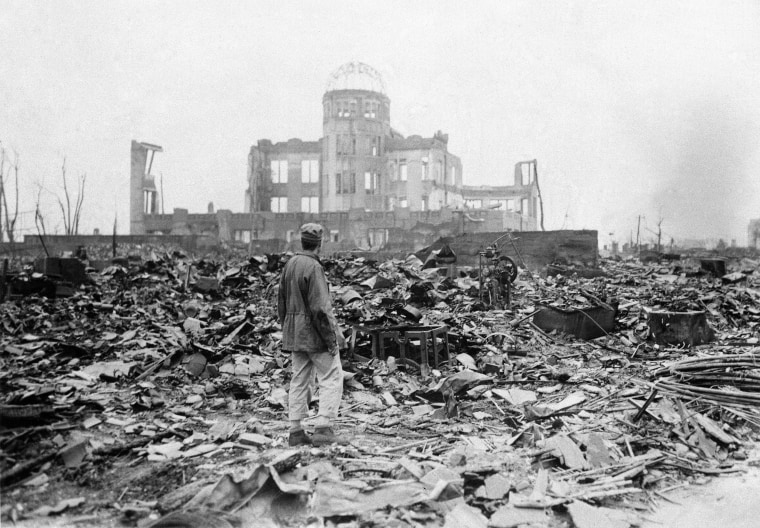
(310, 333)
(81, 253)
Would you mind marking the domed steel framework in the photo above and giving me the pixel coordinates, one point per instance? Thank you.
(356, 76)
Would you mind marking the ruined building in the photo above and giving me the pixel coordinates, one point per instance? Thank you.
(143, 194)
(753, 233)
(366, 183)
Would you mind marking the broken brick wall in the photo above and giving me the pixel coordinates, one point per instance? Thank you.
(537, 248)
(59, 244)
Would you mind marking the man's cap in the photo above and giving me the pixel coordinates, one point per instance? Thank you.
(311, 232)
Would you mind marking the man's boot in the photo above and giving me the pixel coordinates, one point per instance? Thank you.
(326, 436)
(299, 438)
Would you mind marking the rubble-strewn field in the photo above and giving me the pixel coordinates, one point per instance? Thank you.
(156, 394)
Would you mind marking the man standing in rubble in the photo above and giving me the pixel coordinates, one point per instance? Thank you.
(310, 334)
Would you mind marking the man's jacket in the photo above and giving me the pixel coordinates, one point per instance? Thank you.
(304, 306)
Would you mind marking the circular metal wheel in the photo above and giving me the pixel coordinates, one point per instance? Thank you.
(509, 266)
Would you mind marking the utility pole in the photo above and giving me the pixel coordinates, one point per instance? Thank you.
(659, 235)
(250, 213)
(638, 242)
(257, 165)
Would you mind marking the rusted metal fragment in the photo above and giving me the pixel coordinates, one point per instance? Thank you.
(680, 328)
(588, 323)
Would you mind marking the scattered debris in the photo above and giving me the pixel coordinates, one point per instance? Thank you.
(157, 387)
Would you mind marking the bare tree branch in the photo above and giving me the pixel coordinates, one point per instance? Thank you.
(71, 218)
(67, 215)
(5, 212)
(79, 202)
(39, 222)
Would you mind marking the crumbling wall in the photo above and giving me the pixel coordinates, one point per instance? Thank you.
(59, 244)
(537, 248)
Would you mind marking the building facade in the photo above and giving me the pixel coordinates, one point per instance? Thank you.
(360, 162)
(367, 182)
(520, 200)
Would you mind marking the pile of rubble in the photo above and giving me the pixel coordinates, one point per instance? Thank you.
(154, 393)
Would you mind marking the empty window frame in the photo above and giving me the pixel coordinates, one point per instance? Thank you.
(279, 171)
(510, 205)
(334, 235)
(374, 147)
(425, 169)
(402, 171)
(309, 204)
(242, 235)
(524, 207)
(309, 171)
(346, 145)
(499, 204)
(474, 203)
(345, 183)
(528, 172)
(371, 182)
(403, 202)
(279, 204)
(377, 237)
(150, 204)
(370, 109)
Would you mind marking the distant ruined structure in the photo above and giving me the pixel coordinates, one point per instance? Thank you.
(367, 184)
(753, 234)
(143, 194)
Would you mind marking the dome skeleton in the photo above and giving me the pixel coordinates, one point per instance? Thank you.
(356, 76)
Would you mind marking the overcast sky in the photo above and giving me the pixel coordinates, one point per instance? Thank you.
(632, 108)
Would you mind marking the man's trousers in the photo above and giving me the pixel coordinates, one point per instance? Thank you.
(329, 375)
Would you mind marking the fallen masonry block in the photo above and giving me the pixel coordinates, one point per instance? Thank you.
(680, 328)
(588, 323)
(39, 284)
(254, 439)
(716, 266)
(207, 284)
(733, 278)
(67, 269)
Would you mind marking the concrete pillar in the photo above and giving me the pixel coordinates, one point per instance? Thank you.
(224, 224)
(180, 224)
